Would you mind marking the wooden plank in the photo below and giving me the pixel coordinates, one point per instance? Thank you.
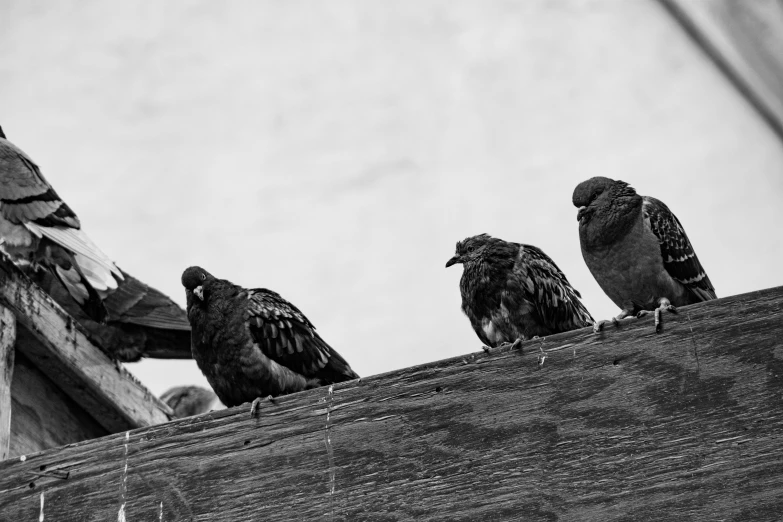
(745, 40)
(43, 416)
(624, 425)
(7, 341)
(56, 345)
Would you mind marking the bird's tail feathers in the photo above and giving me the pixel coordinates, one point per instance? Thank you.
(701, 294)
(337, 369)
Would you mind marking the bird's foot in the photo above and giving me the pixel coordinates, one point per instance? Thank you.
(664, 305)
(599, 325)
(622, 315)
(485, 348)
(257, 403)
(507, 345)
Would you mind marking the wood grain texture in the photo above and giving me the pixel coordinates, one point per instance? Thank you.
(745, 40)
(43, 416)
(55, 344)
(7, 341)
(623, 425)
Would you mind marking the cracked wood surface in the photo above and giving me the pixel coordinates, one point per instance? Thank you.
(624, 425)
(54, 343)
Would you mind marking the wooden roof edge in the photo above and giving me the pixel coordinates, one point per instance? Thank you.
(479, 435)
(55, 343)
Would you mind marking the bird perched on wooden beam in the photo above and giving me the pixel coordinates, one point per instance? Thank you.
(37, 226)
(252, 343)
(186, 401)
(512, 292)
(637, 250)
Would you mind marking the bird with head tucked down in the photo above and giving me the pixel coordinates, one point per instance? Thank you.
(512, 292)
(252, 343)
(637, 250)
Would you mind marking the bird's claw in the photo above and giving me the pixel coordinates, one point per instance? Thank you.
(598, 326)
(507, 345)
(254, 406)
(622, 315)
(665, 306)
(257, 402)
(485, 348)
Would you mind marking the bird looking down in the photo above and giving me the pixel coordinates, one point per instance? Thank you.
(252, 343)
(637, 250)
(38, 227)
(512, 291)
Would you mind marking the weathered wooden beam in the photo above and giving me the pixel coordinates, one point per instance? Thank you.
(43, 417)
(56, 345)
(624, 425)
(745, 40)
(7, 341)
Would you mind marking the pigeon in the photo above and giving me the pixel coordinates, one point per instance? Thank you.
(252, 343)
(187, 401)
(513, 292)
(36, 226)
(140, 322)
(637, 251)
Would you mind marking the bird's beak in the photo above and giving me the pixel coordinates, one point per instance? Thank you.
(199, 292)
(454, 260)
(580, 213)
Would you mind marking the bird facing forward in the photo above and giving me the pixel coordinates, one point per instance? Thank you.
(252, 343)
(637, 250)
(512, 291)
(37, 226)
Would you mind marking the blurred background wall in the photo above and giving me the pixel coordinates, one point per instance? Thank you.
(336, 151)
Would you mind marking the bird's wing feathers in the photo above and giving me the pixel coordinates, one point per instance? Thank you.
(679, 259)
(544, 285)
(137, 303)
(287, 337)
(21, 176)
(26, 195)
(77, 242)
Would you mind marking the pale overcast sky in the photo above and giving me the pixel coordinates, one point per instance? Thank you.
(336, 151)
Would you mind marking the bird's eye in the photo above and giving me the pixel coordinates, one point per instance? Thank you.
(203, 277)
(470, 248)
